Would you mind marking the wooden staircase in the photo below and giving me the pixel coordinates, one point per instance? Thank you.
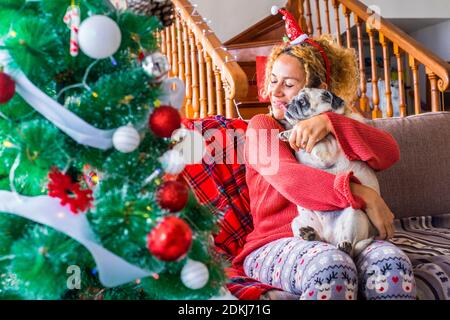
(220, 75)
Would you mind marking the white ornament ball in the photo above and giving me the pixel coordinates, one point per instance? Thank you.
(274, 10)
(194, 275)
(172, 162)
(191, 144)
(126, 139)
(99, 37)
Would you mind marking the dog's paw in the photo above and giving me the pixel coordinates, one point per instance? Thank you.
(308, 233)
(345, 246)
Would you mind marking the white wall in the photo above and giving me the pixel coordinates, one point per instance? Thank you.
(231, 17)
(436, 38)
(412, 8)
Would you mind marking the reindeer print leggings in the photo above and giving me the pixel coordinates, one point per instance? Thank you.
(319, 271)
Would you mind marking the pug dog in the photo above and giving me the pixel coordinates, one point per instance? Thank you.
(348, 229)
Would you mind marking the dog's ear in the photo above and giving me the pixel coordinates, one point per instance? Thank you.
(284, 136)
(336, 102)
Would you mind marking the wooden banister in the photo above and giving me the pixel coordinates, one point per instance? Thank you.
(384, 35)
(215, 82)
(405, 42)
(203, 54)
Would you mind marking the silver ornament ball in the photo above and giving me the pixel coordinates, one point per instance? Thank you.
(157, 66)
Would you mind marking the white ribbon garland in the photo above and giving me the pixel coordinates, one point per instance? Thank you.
(68, 122)
(113, 270)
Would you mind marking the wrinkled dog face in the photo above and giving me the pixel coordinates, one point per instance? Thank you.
(310, 102)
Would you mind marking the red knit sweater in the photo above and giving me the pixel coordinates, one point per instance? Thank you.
(274, 197)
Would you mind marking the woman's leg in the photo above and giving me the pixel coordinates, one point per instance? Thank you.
(314, 270)
(385, 273)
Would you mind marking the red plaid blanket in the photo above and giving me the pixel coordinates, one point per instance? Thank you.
(220, 185)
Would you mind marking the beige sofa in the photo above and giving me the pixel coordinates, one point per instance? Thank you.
(417, 189)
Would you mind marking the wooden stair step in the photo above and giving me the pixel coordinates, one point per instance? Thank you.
(250, 50)
(247, 109)
(249, 68)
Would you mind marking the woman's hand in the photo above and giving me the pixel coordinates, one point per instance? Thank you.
(307, 133)
(376, 209)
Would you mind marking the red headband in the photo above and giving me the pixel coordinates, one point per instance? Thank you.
(297, 36)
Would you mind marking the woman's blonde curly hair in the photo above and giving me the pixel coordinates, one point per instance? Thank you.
(344, 77)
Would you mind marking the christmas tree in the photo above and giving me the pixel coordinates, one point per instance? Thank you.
(91, 206)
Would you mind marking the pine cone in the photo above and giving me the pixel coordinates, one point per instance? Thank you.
(162, 9)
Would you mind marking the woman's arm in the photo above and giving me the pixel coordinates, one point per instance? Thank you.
(363, 142)
(305, 186)
(377, 211)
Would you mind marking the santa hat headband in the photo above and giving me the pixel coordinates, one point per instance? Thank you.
(297, 36)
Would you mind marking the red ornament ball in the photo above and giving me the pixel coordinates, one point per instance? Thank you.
(7, 88)
(164, 120)
(170, 240)
(172, 196)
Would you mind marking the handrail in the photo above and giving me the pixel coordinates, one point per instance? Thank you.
(431, 61)
(234, 79)
(214, 79)
(394, 44)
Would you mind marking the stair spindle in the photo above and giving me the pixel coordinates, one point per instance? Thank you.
(187, 72)
(174, 46)
(363, 100)
(347, 14)
(401, 81)
(219, 95)
(376, 112)
(210, 85)
(327, 13)
(162, 42)
(194, 68)
(180, 37)
(414, 65)
(336, 4)
(202, 81)
(229, 104)
(319, 23)
(169, 46)
(435, 106)
(309, 18)
(387, 76)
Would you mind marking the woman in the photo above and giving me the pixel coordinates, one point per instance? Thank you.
(316, 270)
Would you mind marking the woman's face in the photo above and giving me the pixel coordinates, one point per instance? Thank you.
(287, 79)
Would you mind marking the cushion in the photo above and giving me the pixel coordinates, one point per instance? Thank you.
(261, 62)
(419, 184)
(426, 241)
